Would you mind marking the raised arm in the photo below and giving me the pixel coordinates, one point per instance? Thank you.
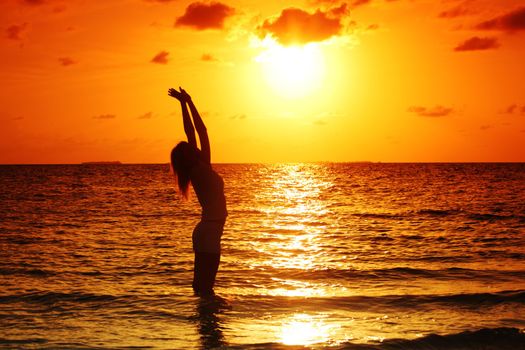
(201, 128)
(186, 120)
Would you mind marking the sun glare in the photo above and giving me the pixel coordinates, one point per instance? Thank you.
(292, 71)
(303, 329)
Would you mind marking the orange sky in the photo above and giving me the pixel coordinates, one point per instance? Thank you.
(312, 80)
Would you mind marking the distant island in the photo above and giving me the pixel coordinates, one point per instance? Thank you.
(106, 162)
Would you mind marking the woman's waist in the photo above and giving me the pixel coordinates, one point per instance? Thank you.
(207, 217)
(213, 219)
(214, 213)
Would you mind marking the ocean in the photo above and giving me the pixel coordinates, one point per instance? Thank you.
(338, 255)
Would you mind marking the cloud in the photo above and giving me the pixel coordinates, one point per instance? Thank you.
(510, 22)
(510, 109)
(206, 57)
(352, 4)
(105, 116)
(160, 58)
(66, 61)
(339, 12)
(485, 127)
(325, 2)
(16, 31)
(296, 26)
(203, 16)
(58, 5)
(34, 2)
(477, 43)
(514, 109)
(437, 111)
(209, 58)
(358, 3)
(458, 11)
(147, 115)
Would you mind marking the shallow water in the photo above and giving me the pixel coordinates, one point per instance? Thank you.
(346, 255)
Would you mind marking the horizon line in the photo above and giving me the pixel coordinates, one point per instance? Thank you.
(281, 162)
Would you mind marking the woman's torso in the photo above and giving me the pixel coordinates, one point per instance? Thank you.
(209, 187)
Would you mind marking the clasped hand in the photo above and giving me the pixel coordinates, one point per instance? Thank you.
(181, 95)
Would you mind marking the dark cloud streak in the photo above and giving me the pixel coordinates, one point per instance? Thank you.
(160, 58)
(510, 109)
(434, 112)
(358, 3)
(34, 2)
(454, 12)
(514, 109)
(510, 22)
(206, 57)
(477, 44)
(66, 61)
(105, 116)
(352, 4)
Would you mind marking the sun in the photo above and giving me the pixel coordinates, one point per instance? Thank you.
(292, 71)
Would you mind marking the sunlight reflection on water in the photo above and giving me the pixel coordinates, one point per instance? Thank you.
(296, 237)
(296, 245)
(304, 329)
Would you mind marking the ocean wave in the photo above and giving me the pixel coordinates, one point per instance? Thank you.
(395, 302)
(408, 214)
(399, 273)
(25, 271)
(29, 341)
(390, 216)
(464, 299)
(478, 298)
(55, 297)
(440, 213)
(126, 304)
(486, 338)
(494, 217)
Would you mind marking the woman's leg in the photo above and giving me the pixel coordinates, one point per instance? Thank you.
(204, 272)
(207, 246)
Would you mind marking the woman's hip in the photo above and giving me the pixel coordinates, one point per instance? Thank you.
(207, 236)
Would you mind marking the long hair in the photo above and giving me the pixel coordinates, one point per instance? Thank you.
(183, 157)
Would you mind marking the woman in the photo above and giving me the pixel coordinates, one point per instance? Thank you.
(192, 165)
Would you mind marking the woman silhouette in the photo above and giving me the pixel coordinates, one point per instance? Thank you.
(192, 165)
